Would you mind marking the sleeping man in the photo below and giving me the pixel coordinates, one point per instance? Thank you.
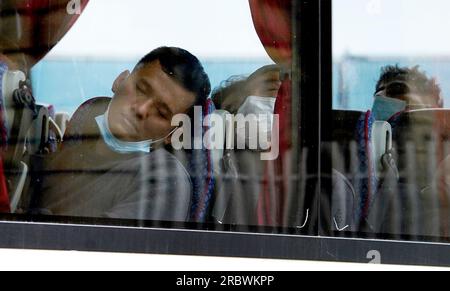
(113, 162)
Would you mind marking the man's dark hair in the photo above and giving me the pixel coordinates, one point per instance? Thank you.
(184, 68)
(416, 80)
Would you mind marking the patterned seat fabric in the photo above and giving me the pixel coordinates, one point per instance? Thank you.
(368, 182)
(202, 172)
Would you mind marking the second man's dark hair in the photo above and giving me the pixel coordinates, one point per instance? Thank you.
(419, 80)
(184, 68)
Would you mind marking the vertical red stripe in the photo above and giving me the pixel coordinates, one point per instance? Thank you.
(4, 197)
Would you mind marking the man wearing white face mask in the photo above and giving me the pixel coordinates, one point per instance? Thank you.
(253, 98)
(399, 89)
(264, 82)
(113, 162)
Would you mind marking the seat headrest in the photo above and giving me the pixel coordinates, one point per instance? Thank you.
(342, 121)
(343, 203)
(422, 140)
(423, 123)
(9, 82)
(381, 140)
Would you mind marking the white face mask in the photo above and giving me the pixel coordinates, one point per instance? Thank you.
(124, 147)
(261, 109)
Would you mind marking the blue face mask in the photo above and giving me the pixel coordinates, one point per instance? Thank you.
(384, 107)
(123, 147)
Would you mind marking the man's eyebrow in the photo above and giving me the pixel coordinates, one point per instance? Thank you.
(146, 84)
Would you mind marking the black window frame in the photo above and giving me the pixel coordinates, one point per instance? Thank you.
(313, 38)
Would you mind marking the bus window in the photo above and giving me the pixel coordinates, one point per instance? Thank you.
(214, 127)
(390, 141)
(154, 112)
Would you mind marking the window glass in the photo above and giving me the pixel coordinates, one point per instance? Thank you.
(174, 111)
(390, 119)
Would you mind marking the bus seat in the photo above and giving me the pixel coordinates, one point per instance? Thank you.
(26, 132)
(240, 182)
(344, 140)
(23, 132)
(38, 133)
(407, 202)
(374, 141)
(36, 145)
(77, 123)
(13, 171)
(62, 119)
(10, 82)
(343, 203)
(225, 171)
(217, 153)
(19, 180)
(201, 168)
(422, 140)
(238, 176)
(32, 140)
(341, 153)
(356, 161)
(344, 198)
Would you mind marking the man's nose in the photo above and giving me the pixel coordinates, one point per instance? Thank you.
(143, 108)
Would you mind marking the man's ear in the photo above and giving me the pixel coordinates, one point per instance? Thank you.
(119, 80)
(168, 140)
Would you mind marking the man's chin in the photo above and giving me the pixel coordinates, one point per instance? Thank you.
(122, 135)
